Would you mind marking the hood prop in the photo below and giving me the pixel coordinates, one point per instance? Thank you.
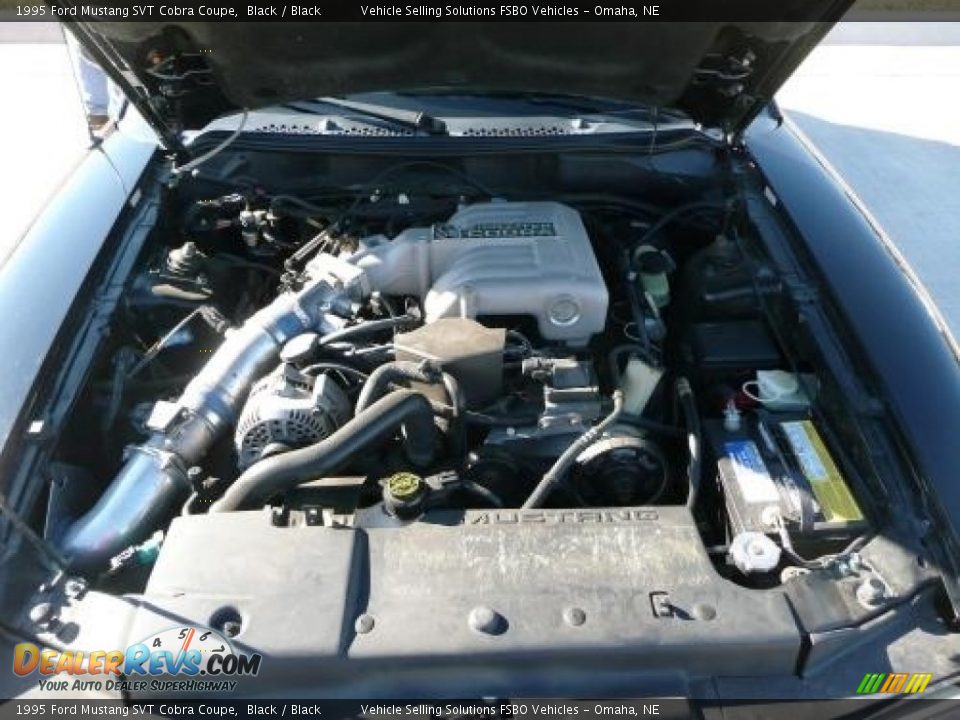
(135, 92)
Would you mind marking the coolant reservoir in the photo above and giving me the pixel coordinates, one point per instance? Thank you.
(653, 266)
(638, 382)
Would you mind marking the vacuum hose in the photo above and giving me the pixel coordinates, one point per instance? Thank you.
(405, 409)
(387, 374)
(691, 419)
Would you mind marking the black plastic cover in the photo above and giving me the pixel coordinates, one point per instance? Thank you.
(744, 344)
(619, 587)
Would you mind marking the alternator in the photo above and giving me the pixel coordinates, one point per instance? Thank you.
(287, 409)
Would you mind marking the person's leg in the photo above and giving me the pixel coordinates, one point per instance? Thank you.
(93, 84)
(117, 102)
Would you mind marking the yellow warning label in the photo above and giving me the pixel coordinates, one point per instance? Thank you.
(825, 479)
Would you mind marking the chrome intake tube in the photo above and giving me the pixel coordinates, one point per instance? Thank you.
(154, 478)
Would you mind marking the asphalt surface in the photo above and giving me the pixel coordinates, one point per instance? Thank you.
(879, 100)
(881, 103)
(42, 128)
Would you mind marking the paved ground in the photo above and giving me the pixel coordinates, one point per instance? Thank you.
(881, 102)
(42, 129)
(879, 99)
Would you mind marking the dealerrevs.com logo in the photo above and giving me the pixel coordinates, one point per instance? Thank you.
(199, 659)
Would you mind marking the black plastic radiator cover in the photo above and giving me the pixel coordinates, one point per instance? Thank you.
(621, 587)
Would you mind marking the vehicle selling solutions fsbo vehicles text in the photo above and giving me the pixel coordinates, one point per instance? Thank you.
(508, 11)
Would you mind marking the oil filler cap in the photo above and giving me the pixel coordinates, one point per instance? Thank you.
(403, 494)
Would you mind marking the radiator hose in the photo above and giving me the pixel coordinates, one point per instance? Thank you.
(380, 381)
(404, 409)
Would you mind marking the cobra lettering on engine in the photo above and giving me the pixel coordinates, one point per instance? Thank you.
(497, 258)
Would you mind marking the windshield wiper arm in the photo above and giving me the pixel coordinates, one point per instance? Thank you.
(584, 104)
(410, 119)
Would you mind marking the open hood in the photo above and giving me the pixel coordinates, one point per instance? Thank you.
(719, 73)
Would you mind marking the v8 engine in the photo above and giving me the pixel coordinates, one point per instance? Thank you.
(388, 368)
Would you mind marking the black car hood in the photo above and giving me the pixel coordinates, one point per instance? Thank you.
(719, 73)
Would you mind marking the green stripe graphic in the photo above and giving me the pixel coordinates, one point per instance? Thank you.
(871, 683)
(879, 683)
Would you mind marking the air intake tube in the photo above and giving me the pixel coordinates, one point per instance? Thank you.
(154, 479)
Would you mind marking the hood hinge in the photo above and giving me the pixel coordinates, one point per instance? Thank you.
(725, 74)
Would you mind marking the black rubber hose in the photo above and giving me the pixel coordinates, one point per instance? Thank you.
(368, 327)
(306, 250)
(297, 207)
(556, 473)
(380, 380)
(404, 409)
(653, 426)
(617, 353)
(669, 217)
(458, 428)
(501, 420)
(636, 306)
(691, 419)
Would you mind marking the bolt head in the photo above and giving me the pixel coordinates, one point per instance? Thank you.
(43, 614)
(871, 591)
(486, 620)
(574, 616)
(704, 611)
(75, 587)
(364, 624)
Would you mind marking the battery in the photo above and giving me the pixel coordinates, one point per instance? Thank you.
(778, 463)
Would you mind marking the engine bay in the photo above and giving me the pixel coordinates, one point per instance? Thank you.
(365, 372)
(552, 414)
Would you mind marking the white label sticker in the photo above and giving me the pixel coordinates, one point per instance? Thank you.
(752, 476)
(806, 452)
